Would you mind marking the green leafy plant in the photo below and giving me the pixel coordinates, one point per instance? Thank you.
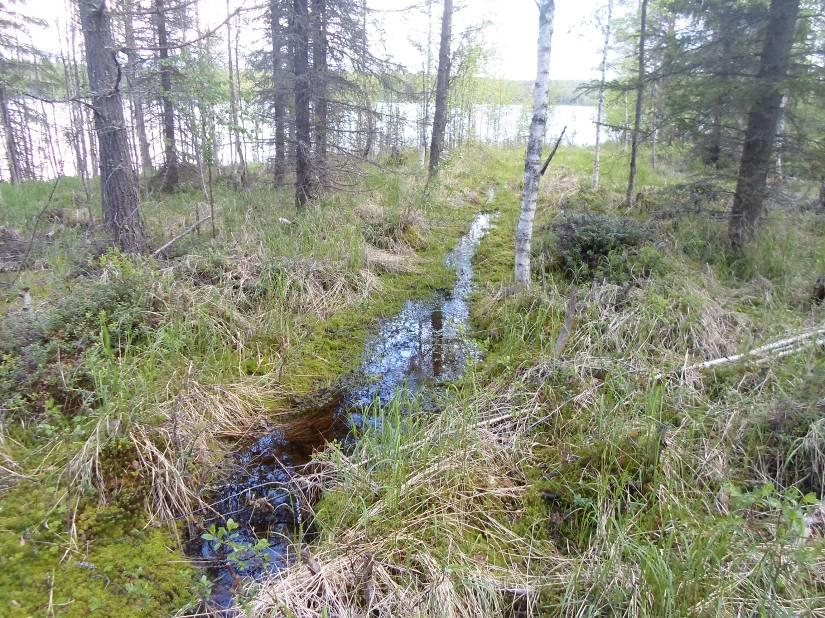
(235, 550)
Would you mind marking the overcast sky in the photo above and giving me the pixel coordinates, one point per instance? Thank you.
(510, 35)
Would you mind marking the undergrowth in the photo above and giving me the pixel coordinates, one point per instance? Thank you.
(605, 476)
(130, 378)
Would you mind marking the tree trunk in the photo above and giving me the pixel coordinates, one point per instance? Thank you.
(442, 87)
(713, 152)
(535, 141)
(319, 87)
(11, 145)
(760, 135)
(822, 193)
(119, 192)
(235, 133)
(278, 90)
(75, 132)
(637, 122)
(76, 114)
(55, 160)
(300, 62)
(134, 93)
(425, 90)
(780, 131)
(84, 119)
(170, 175)
(597, 151)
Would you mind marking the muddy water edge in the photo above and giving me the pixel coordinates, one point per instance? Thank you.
(256, 519)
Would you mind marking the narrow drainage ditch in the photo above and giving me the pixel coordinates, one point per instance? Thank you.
(425, 345)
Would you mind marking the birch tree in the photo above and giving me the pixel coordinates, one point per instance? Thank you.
(535, 141)
(597, 150)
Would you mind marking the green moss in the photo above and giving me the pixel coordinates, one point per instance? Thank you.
(333, 347)
(117, 568)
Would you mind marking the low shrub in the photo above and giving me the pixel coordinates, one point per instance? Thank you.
(586, 246)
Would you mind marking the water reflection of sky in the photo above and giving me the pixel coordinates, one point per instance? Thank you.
(426, 342)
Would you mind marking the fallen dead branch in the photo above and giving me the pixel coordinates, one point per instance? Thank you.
(184, 233)
(766, 353)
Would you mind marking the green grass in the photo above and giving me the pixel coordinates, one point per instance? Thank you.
(583, 481)
(20, 204)
(137, 355)
(578, 485)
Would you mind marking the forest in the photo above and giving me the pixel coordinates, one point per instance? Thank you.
(407, 308)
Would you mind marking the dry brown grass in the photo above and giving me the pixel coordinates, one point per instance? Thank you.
(385, 261)
(408, 553)
(177, 444)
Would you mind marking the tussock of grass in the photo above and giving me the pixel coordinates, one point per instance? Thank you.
(173, 449)
(433, 534)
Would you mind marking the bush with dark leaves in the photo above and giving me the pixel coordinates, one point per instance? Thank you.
(589, 245)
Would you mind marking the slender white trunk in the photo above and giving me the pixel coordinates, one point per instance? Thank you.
(597, 152)
(426, 81)
(535, 141)
(780, 160)
(654, 133)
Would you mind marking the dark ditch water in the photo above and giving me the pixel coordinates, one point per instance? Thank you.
(425, 345)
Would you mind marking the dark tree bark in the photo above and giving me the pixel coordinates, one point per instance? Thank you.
(11, 143)
(119, 192)
(441, 88)
(637, 122)
(300, 63)
(319, 88)
(278, 89)
(760, 136)
(170, 174)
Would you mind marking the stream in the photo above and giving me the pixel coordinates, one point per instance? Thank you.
(425, 345)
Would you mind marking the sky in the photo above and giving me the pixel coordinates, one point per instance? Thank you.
(510, 33)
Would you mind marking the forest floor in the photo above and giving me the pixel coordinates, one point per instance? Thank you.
(581, 467)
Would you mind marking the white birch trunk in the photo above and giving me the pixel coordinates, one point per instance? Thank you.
(780, 160)
(597, 151)
(535, 141)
